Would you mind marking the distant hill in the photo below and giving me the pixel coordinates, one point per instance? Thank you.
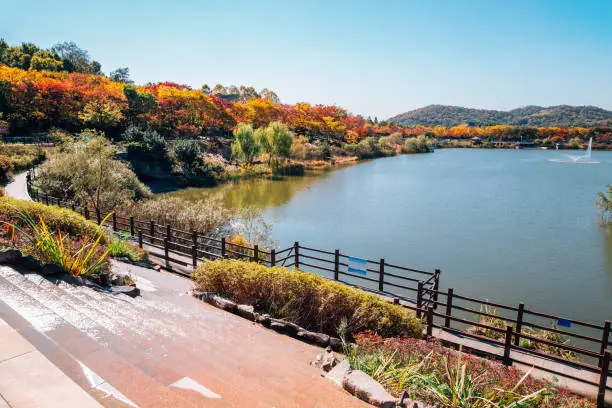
(562, 115)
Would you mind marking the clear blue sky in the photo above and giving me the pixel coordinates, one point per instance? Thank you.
(376, 58)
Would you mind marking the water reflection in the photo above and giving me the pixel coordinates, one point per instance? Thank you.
(258, 193)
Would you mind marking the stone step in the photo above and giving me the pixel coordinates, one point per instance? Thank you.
(125, 376)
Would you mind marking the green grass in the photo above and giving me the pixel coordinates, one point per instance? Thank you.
(305, 299)
(119, 246)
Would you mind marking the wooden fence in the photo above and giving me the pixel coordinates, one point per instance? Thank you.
(446, 314)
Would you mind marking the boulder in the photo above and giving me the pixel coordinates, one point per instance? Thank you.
(335, 343)
(338, 373)
(246, 311)
(318, 338)
(365, 388)
(222, 303)
(292, 328)
(131, 291)
(10, 256)
(278, 325)
(29, 263)
(263, 319)
(51, 270)
(329, 361)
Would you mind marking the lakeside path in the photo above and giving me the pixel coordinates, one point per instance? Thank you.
(17, 188)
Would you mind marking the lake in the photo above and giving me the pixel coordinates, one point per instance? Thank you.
(504, 225)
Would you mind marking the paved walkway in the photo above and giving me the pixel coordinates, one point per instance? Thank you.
(29, 379)
(163, 349)
(17, 188)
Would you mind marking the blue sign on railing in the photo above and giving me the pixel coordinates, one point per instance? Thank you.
(564, 322)
(357, 265)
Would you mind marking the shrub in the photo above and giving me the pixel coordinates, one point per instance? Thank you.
(53, 216)
(6, 169)
(293, 169)
(119, 246)
(306, 299)
(416, 145)
(22, 156)
(366, 149)
(205, 217)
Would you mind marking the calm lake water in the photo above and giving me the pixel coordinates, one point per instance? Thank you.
(504, 225)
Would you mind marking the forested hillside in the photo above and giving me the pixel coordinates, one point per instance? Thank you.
(537, 116)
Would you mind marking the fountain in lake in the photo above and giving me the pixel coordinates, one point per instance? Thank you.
(583, 159)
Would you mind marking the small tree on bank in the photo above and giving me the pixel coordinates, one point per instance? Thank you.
(244, 147)
(88, 172)
(276, 141)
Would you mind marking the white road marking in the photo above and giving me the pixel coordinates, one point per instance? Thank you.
(187, 383)
(97, 382)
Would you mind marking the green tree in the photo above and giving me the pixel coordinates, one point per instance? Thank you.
(89, 172)
(187, 151)
(605, 201)
(276, 141)
(244, 148)
(121, 75)
(75, 59)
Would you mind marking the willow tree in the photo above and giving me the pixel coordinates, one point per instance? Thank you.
(244, 147)
(276, 141)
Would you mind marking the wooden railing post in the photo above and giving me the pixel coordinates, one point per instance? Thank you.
(519, 323)
(436, 286)
(419, 298)
(73, 206)
(194, 256)
(449, 307)
(114, 221)
(273, 257)
(430, 312)
(168, 231)
(255, 253)
(508, 345)
(46, 199)
(167, 252)
(605, 338)
(98, 216)
(296, 251)
(132, 226)
(222, 247)
(140, 238)
(381, 276)
(603, 379)
(152, 229)
(86, 212)
(336, 264)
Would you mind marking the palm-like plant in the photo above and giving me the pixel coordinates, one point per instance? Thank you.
(59, 248)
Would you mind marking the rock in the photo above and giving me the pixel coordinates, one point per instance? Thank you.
(10, 256)
(130, 291)
(365, 388)
(29, 263)
(263, 319)
(51, 270)
(292, 328)
(335, 343)
(278, 325)
(318, 338)
(329, 361)
(405, 402)
(222, 303)
(246, 311)
(340, 371)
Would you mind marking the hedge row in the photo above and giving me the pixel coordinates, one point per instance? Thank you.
(305, 299)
